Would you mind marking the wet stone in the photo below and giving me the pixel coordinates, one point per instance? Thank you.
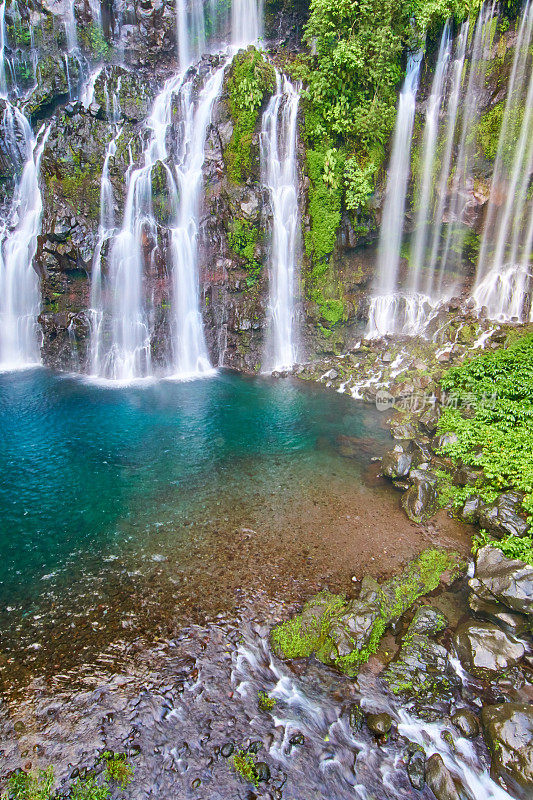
(356, 717)
(508, 730)
(379, 724)
(439, 779)
(485, 650)
(298, 739)
(227, 749)
(416, 769)
(262, 771)
(466, 723)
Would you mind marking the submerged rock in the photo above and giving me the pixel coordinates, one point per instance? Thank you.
(508, 731)
(485, 650)
(508, 580)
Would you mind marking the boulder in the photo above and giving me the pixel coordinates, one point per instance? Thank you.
(416, 769)
(379, 724)
(420, 501)
(439, 779)
(508, 731)
(503, 518)
(508, 580)
(485, 650)
(491, 610)
(396, 463)
(466, 723)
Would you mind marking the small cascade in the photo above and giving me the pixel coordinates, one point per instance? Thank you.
(19, 284)
(380, 321)
(504, 280)
(190, 356)
(428, 177)
(280, 176)
(3, 80)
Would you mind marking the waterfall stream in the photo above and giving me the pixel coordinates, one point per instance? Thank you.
(504, 278)
(384, 313)
(280, 176)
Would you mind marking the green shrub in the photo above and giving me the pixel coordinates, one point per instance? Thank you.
(519, 547)
(243, 763)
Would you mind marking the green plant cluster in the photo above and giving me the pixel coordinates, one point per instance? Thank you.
(519, 547)
(243, 763)
(265, 702)
(242, 238)
(250, 82)
(314, 630)
(94, 40)
(493, 419)
(39, 784)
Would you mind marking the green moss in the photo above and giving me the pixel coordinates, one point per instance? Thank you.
(36, 785)
(250, 81)
(93, 39)
(310, 633)
(118, 769)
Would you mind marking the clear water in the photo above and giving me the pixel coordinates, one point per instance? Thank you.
(101, 484)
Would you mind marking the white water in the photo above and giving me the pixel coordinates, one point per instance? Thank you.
(428, 178)
(246, 22)
(3, 81)
(460, 194)
(190, 356)
(19, 283)
(390, 240)
(435, 277)
(279, 170)
(504, 274)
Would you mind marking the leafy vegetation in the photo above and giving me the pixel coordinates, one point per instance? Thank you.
(250, 81)
(39, 784)
(242, 238)
(492, 415)
(520, 547)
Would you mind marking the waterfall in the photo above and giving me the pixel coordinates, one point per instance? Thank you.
(246, 22)
(504, 279)
(191, 31)
(462, 177)
(442, 188)
(383, 316)
(428, 177)
(19, 283)
(190, 356)
(280, 176)
(3, 81)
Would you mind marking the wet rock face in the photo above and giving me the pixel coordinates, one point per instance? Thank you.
(506, 580)
(503, 518)
(420, 501)
(466, 723)
(396, 463)
(485, 650)
(508, 730)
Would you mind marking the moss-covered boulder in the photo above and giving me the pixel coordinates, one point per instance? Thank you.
(344, 633)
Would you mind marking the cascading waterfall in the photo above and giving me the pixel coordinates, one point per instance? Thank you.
(246, 22)
(429, 146)
(384, 310)
(504, 280)
(190, 356)
(19, 284)
(462, 177)
(121, 309)
(280, 176)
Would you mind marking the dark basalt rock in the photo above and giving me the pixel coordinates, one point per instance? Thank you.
(420, 502)
(485, 650)
(439, 779)
(416, 769)
(466, 723)
(503, 518)
(508, 730)
(356, 717)
(470, 511)
(490, 610)
(509, 581)
(444, 439)
(396, 463)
